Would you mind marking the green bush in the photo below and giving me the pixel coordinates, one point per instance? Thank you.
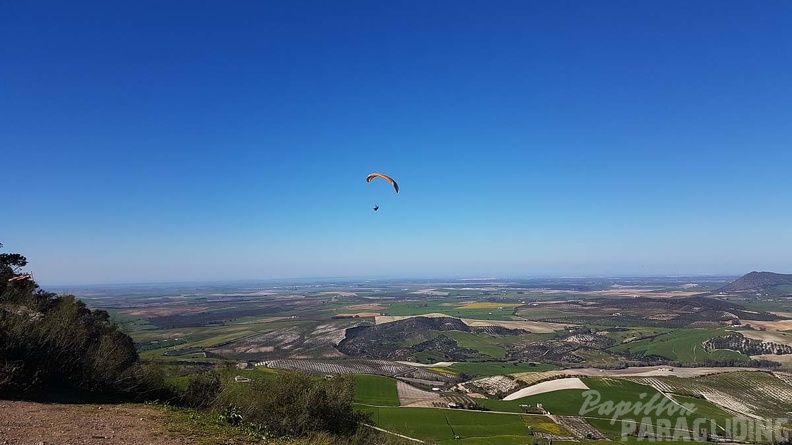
(297, 404)
(55, 342)
(202, 390)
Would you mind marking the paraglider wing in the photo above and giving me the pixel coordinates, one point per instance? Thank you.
(21, 277)
(385, 177)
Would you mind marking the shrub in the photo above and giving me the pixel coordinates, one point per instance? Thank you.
(203, 389)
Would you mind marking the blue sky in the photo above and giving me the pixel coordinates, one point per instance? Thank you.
(163, 141)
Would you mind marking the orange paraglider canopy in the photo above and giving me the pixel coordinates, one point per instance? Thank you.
(385, 177)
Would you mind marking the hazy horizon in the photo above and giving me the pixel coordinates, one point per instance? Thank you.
(149, 142)
(397, 279)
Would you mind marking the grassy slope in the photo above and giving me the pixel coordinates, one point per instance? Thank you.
(680, 344)
(484, 343)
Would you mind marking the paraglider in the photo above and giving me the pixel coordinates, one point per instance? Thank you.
(21, 277)
(385, 177)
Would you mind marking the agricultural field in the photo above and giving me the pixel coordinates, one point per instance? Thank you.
(373, 367)
(594, 408)
(644, 318)
(682, 345)
(483, 343)
(451, 308)
(376, 390)
(755, 394)
(310, 321)
(496, 368)
(612, 385)
(441, 426)
(392, 335)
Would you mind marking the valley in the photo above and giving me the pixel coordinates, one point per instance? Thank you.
(491, 361)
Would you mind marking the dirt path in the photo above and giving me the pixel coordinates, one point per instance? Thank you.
(29, 423)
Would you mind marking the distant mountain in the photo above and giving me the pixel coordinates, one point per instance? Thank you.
(755, 281)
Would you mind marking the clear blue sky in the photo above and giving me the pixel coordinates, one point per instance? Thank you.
(160, 141)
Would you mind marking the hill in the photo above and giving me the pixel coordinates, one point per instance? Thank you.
(403, 339)
(756, 281)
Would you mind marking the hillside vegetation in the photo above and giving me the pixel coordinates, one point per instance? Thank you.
(49, 341)
(54, 345)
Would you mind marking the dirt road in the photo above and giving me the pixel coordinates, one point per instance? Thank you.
(29, 423)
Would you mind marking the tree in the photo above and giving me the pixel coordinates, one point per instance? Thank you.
(297, 404)
(49, 341)
(10, 265)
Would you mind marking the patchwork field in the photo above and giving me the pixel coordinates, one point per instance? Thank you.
(755, 394)
(533, 342)
(532, 326)
(572, 413)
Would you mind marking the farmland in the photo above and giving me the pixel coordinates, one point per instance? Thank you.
(376, 390)
(480, 311)
(414, 348)
(569, 403)
(441, 426)
(497, 368)
(755, 394)
(683, 345)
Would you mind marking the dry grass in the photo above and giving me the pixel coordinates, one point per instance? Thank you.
(771, 336)
(779, 325)
(783, 359)
(412, 396)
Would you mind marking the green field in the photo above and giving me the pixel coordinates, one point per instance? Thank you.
(441, 425)
(637, 332)
(375, 390)
(571, 402)
(497, 368)
(680, 344)
(506, 423)
(565, 402)
(484, 343)
(130, 323)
